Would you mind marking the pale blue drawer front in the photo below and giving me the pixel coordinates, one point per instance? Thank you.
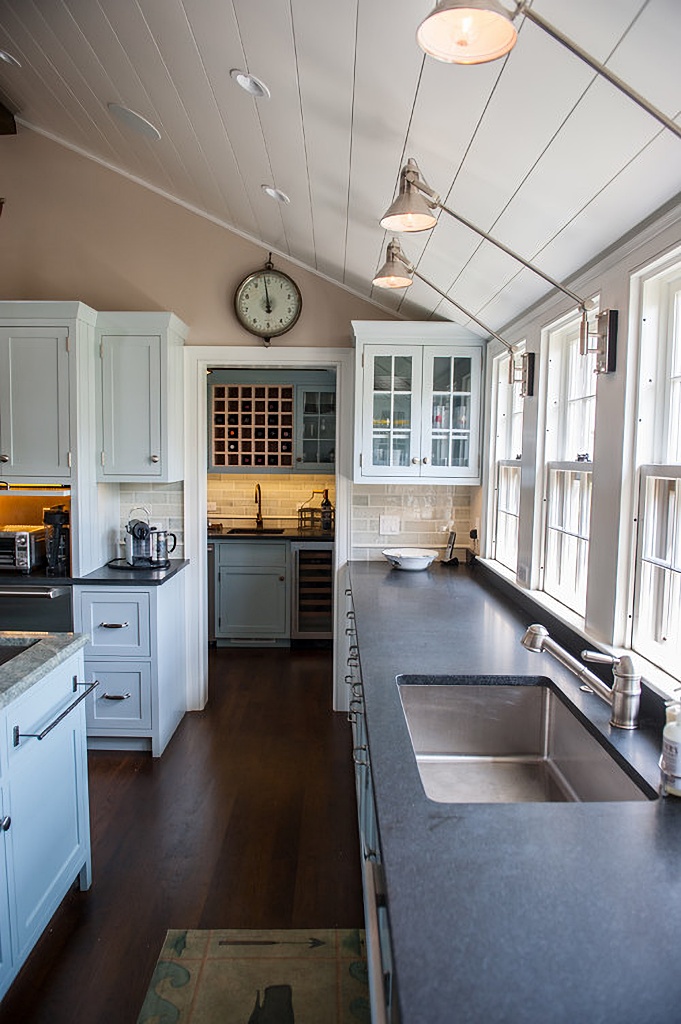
(253, 553)
(123, 697)
(119, 626)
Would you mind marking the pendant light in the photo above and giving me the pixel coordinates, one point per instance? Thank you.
(467, 31)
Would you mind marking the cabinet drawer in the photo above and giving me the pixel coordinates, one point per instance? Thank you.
(119, 625)
(123, 697)
(253, 553)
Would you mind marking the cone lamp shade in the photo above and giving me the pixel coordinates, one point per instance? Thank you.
(467, 31)
(410, 212)
(393, 273)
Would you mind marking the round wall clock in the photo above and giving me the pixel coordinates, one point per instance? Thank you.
(268, 302)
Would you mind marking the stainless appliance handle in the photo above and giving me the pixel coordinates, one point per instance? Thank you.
(16, 735)
(50, 592)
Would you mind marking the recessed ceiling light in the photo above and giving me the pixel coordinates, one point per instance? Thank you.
(275, 193)
(9, 59)
(135, 121)
(255, 86)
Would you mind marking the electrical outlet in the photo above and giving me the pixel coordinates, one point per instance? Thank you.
(388, 525)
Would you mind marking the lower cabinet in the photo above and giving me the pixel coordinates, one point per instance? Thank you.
(44, 825)
(379, 955)
(137, 654)
(252, 592)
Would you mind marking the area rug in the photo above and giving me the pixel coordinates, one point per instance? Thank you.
(259, 977)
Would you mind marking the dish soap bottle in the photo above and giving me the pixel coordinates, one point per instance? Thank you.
(670, 762)
(327, 509)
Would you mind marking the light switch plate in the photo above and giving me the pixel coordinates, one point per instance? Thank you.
(212, 506)
(388, 525)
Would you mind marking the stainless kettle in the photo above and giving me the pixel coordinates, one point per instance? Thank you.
(162, 543)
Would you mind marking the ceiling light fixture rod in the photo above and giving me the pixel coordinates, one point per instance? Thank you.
(395, 254)
(527, 12)
(412, 176)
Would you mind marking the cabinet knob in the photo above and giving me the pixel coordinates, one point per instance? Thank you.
(425, 460)
(155, 458)
(415, 461)
(4, 458)
(5, 822)
(282, 579)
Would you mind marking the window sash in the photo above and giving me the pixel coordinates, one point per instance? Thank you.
(568, 522)
(507, 513)
(657, 592)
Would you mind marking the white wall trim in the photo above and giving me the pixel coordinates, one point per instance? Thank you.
(197, 360)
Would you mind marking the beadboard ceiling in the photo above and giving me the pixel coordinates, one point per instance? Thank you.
(535, 148)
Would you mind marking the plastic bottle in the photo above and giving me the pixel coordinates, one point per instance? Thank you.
(327, 518)
(670, 762)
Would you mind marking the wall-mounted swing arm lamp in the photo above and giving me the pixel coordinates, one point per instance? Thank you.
(398, 272)
(413, 211)
(478, 31)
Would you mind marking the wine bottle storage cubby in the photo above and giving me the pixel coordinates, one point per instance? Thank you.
(252, 425)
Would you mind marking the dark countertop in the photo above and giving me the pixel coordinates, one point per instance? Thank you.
(515, 913)
(105, 575)
(289, 533)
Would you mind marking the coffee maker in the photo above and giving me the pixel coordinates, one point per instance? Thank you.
(57, 540)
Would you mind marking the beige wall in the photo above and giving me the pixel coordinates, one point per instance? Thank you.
(72, 229)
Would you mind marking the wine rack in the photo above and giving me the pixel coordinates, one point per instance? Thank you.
(252, 425)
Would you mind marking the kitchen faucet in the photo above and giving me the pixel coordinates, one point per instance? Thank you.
(258, 501)
(624, 696)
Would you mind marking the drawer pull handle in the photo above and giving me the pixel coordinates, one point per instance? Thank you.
(114, 625)
(17, 736)
(5, 822)
(116, 696)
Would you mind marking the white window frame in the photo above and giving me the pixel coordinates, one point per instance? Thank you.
(505, 465)
(567, 530)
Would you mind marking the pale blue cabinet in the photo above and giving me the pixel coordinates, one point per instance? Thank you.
(140, 399)
(137, 652)
(35, 439)
(46, 843)
(5, 947)
(252, 592)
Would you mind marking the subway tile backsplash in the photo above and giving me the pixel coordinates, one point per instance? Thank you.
(282, 495)
(391, 515)
(165, 503)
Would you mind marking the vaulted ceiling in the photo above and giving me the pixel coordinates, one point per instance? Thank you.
(535, 148)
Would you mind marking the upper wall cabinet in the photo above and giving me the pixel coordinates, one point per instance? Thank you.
(43, 348)
(140, 402)
(418, 403)
(272, 421)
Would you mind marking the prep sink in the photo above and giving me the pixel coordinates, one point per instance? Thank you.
(254, 531)
(506, 743)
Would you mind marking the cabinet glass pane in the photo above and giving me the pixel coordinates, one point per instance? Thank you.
(450, 414)
(392, 410)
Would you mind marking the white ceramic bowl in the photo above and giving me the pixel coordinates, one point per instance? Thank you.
(412, 559)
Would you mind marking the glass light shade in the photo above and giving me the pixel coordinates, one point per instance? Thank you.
(410, 212)
(467, 31)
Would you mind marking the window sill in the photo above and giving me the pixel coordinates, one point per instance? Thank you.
(659, 681)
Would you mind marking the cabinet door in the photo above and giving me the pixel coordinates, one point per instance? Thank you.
(391, 416)
(48, 802)
(252, 602)
(34, 403)
(450, 428)
(315, 428)
(5, 948)
(131, 407)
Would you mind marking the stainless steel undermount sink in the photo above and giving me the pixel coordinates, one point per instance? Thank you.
(254, 531)
(506, 743)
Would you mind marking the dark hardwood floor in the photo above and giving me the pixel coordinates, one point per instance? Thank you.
(247, 821)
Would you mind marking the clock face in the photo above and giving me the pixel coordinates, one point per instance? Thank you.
(268, 303)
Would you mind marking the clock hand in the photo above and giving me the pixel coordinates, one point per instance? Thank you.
(268, 304)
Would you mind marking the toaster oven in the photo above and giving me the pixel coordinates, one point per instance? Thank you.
(22, 548)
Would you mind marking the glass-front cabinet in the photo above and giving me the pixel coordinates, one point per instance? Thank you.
(419, 410)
